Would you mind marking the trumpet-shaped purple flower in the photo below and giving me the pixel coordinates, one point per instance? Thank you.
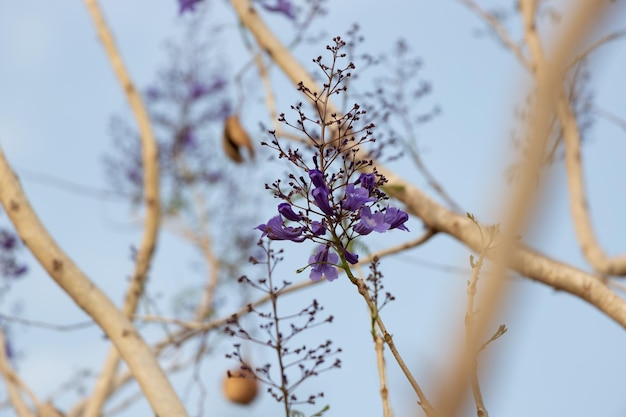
(371, 222)
(396, 218)
(317, 178)
(323, 264)
(319, 228)
(352, 258)
(380, 222)
(320, 195)
(286, 210)
(367, 181)
(275, 230)
(355, 198)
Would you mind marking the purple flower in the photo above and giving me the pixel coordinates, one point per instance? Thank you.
(319, 228)
(396, 218)
(352, 258)
(282, 6)
(185, 140)
(370, 222)
(317, 177)
(8, 241)
(355, 198)
(323, 264)
(275, 230)
(286, 210)
(380, 222)
(367, 181)
(320, 195)
(187, 5)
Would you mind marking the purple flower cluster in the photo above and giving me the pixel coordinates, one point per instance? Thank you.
(356, 213)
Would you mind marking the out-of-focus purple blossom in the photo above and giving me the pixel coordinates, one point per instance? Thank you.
(317, 178)
(8, 241)
(323, 262)
(275, 230)
(282, 6)
(286, 210)
(199, 90)
(9, 244)
(367, 181)
(134, 175)
(355, 198)
(153, 93)
(185, 140)
(320, 195)
(319, 228)
(187, 6)
(213, 176)
(396, 218)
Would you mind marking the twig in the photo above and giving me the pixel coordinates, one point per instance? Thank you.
(14, 384)
(382, 375)
(399, 248)
(597, 44)
(470, 337)
(499, 29)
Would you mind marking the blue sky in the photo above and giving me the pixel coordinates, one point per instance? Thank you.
(559, 357)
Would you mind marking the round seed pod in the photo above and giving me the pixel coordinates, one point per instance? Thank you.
(240, 386)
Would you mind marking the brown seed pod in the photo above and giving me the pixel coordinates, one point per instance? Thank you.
(240, 386)
(235, 138)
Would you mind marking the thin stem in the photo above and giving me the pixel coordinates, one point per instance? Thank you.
(382, 375)
(278, 337)
(470, 341)
(388, 339)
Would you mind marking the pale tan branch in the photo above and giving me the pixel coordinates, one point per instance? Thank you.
(382, 375)
(579, 207)
(429, 233)
(14, 384)
(150, 160)
(519, 206)
(589, 244)
(87, 296)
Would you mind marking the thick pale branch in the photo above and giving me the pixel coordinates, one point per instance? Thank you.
(573, 159)
(150, 160)
(519, 205)
(137, 354)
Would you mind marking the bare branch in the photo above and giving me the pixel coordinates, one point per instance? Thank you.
(150, 160)
(573, 159)
(87, 296)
